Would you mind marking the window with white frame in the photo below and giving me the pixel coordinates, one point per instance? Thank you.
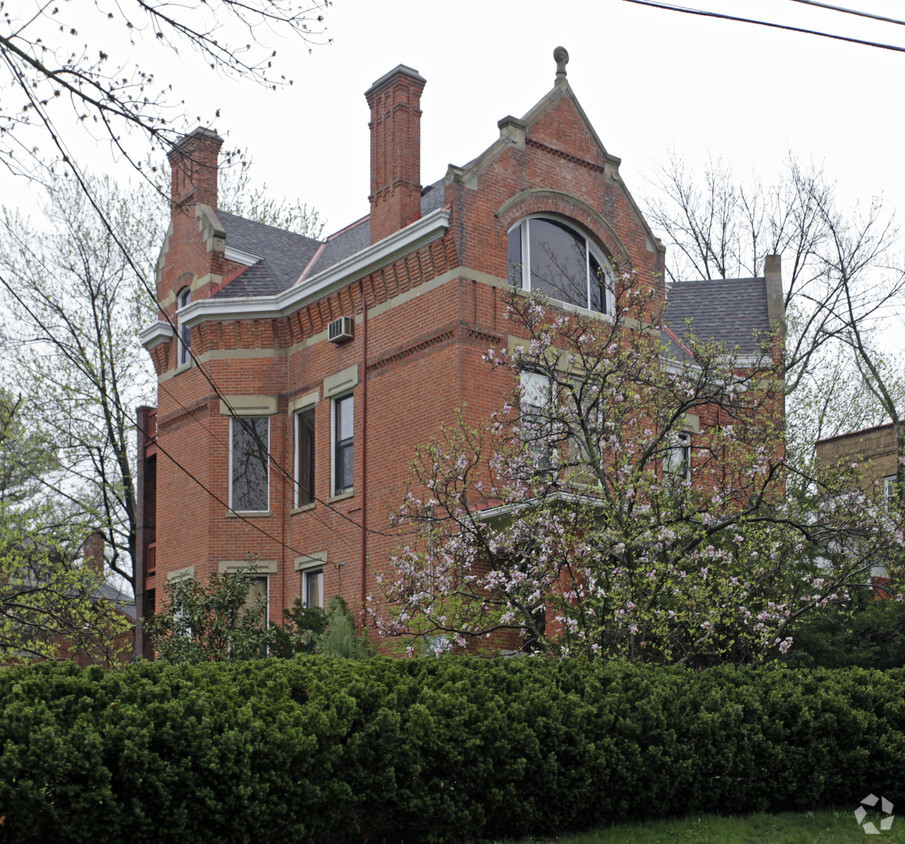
(551, 257)
(343, 444)
(889, 486)
(313, 587)
(536, 418)
(249, 475)
(677, 459)
(184, 333)
(304, 457)
(258, 595)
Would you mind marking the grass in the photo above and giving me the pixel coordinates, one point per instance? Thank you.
(828, 827)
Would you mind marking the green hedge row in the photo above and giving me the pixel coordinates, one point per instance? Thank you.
(314, 749)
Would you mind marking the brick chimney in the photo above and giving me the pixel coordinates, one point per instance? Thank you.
(193, 162)
(395, 103)
(93, 553)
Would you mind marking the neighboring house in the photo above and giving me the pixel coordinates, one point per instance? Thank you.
(297, 376)
(872, 452)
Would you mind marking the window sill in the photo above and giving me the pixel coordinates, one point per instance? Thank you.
(342, 496)
(248, 514)
(183, 367)
(303, 509)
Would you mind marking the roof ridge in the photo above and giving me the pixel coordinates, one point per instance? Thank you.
(268, 226)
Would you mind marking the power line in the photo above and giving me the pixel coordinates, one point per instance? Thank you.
(855, 12)
(720, 16)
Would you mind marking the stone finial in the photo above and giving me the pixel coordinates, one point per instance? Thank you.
(561, 57)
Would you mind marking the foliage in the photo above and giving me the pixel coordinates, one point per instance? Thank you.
(570, 524)
(867, 632)
(222, 622)
(301, 631)
(50, 601)
(317, 749)
(76, 308)
(340, 639)
(217, 622)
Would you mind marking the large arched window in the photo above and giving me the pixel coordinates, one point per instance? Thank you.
(184, 332)
(551, 257)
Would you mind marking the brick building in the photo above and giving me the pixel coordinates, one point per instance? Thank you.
(873, 450)
(874, 454)
(296, 376)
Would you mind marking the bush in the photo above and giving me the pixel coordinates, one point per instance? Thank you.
(321, 749)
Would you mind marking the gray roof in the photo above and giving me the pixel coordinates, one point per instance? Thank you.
(286, 255)
(732, 311)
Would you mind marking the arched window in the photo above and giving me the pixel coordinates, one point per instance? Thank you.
(183, 297)
(555, 259)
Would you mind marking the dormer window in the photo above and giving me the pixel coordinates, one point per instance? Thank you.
(184, 332)
(551, 257)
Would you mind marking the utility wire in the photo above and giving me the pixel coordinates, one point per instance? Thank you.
(720, 16)
(855, 12)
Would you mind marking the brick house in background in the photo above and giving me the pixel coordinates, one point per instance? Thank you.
(340, 356)
(874, 452)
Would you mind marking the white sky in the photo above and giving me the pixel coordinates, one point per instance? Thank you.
(649, 80)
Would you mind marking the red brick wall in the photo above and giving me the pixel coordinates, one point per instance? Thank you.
(424, 361)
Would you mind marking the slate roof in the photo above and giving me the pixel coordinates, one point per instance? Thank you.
(283, 255)
(286, 255)
(732, 311)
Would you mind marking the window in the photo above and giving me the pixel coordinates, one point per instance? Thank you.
(677, 459)
(889, 487)
(552, 258)
(343, 452)
(313, 588)
(304, 457)
(184, 333)
(536, 418)
(257, 595)
(249, 490)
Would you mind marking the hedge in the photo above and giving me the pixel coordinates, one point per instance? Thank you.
(315, 749)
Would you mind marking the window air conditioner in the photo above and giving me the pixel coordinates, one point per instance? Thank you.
(340, 330)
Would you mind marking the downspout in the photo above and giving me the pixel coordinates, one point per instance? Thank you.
(289, 480)
(364, 451)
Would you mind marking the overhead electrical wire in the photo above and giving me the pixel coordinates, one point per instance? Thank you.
(846, 11)
(803, 30)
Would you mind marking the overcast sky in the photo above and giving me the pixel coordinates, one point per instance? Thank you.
(650, 80)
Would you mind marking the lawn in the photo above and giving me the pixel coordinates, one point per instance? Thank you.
(826, 827)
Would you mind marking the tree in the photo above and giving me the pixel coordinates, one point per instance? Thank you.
(49, 599)
(583, 519)
(72, 65)
(217, 622)
(77, 302)
(842, 278)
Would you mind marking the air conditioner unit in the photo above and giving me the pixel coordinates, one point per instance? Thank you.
(340, 330)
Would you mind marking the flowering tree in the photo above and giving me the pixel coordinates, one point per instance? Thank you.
(632, 500)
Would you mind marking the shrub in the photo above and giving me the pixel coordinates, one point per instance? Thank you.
(322, 749)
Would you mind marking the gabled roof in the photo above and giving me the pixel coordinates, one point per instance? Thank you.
(731, 311)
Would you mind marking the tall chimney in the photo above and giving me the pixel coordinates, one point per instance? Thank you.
(93, 553)
(395, 103)
(193, 162)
